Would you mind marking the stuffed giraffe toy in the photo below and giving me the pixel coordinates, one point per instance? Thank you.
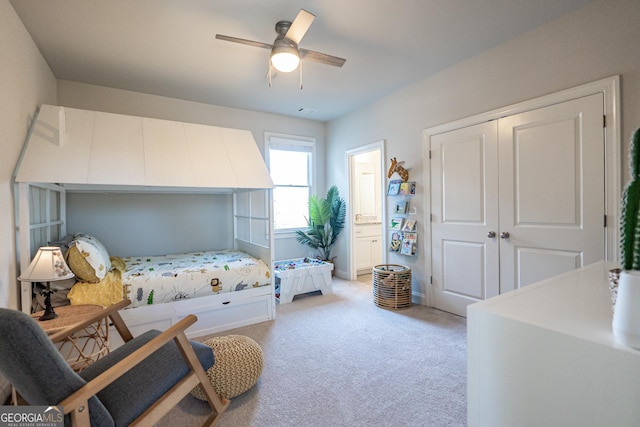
(397, 167)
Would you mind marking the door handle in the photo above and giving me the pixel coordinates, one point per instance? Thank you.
(504, 235)
(491, 234)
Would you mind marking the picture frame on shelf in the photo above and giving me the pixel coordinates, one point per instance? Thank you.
(394, 187)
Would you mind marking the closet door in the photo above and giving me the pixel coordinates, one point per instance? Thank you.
(516, 200)
(464, 216)
(552, 201)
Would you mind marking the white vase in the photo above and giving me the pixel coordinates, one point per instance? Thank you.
(626, 315)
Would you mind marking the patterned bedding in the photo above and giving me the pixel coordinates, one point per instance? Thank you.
(166, 278)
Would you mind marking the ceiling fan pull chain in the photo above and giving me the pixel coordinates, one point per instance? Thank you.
(300, 75)
(269, 72)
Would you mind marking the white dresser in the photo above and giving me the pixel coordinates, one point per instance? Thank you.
(544, 355)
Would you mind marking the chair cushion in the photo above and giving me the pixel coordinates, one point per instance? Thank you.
(135, 391)
(35, 367)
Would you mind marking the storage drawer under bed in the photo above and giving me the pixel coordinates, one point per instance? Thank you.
(215, 313)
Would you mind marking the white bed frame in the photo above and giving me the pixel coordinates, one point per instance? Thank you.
(216, 313)
(150, 155)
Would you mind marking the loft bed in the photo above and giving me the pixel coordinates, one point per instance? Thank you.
(71, 150)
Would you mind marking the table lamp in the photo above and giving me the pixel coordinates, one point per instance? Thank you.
(47, 266)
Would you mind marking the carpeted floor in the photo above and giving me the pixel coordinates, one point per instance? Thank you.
(338, 360)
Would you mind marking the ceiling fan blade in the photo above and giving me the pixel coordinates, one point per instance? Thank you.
(300, 26)
(243, 41)
(323, 58)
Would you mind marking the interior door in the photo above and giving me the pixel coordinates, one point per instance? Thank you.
(367, 206)
(552, 201)
(516, 200)
(464, 211)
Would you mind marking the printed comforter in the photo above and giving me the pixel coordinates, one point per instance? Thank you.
(166, 278)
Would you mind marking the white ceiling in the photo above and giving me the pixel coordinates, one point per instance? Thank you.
(168, 47)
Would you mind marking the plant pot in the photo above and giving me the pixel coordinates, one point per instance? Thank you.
(626, 315)
(333, 270)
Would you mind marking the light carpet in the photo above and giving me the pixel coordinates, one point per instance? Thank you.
(338, 360)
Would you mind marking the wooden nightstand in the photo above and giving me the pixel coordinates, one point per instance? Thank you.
(85, 346)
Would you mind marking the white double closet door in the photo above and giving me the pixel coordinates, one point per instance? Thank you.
(516, 200)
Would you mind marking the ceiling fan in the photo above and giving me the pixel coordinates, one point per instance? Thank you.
(285, 53)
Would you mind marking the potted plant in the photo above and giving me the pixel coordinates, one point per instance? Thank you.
(626, 317)
(326, 221)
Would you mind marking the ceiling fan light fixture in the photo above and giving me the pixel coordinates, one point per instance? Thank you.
(285, 56)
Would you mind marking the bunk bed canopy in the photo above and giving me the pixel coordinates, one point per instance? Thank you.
(84, 149)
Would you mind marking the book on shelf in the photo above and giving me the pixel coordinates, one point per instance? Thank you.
(407, 188)
(396, 242)
(409, 225)
(396, 223)
(409, 244)
(410, 236)
(408, 248)
(401, 206)
(394, 187)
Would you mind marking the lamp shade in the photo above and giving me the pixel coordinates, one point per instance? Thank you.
(284, 55)
(47, 265)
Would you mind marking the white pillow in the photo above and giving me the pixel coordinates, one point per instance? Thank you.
(88, 258)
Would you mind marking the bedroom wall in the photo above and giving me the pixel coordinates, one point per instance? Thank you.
(25, 82)
(595, 42)
(188, 223)
(90, 97)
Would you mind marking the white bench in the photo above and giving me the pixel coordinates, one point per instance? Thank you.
(300, 276)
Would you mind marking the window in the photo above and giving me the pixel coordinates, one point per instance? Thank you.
(290, 161)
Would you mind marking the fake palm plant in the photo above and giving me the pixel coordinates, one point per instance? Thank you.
(630, 213)
(326, 221)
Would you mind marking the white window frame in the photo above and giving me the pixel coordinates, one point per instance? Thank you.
(293, 143)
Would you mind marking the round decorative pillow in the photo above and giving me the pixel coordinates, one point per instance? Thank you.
(88, 258)
(239, 363)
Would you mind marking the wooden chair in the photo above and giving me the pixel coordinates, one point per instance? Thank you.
(135, 384)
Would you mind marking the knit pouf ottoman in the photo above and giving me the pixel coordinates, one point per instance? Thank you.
(239, 362)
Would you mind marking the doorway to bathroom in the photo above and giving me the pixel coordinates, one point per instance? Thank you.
(366, 219)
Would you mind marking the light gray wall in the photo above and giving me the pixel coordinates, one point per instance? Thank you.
(90, 97)
(25, 82)
(595, 42)
(153, 224)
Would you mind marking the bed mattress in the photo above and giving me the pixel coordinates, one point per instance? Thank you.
(167, 278)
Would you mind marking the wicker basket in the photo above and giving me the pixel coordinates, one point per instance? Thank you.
(392, 286)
